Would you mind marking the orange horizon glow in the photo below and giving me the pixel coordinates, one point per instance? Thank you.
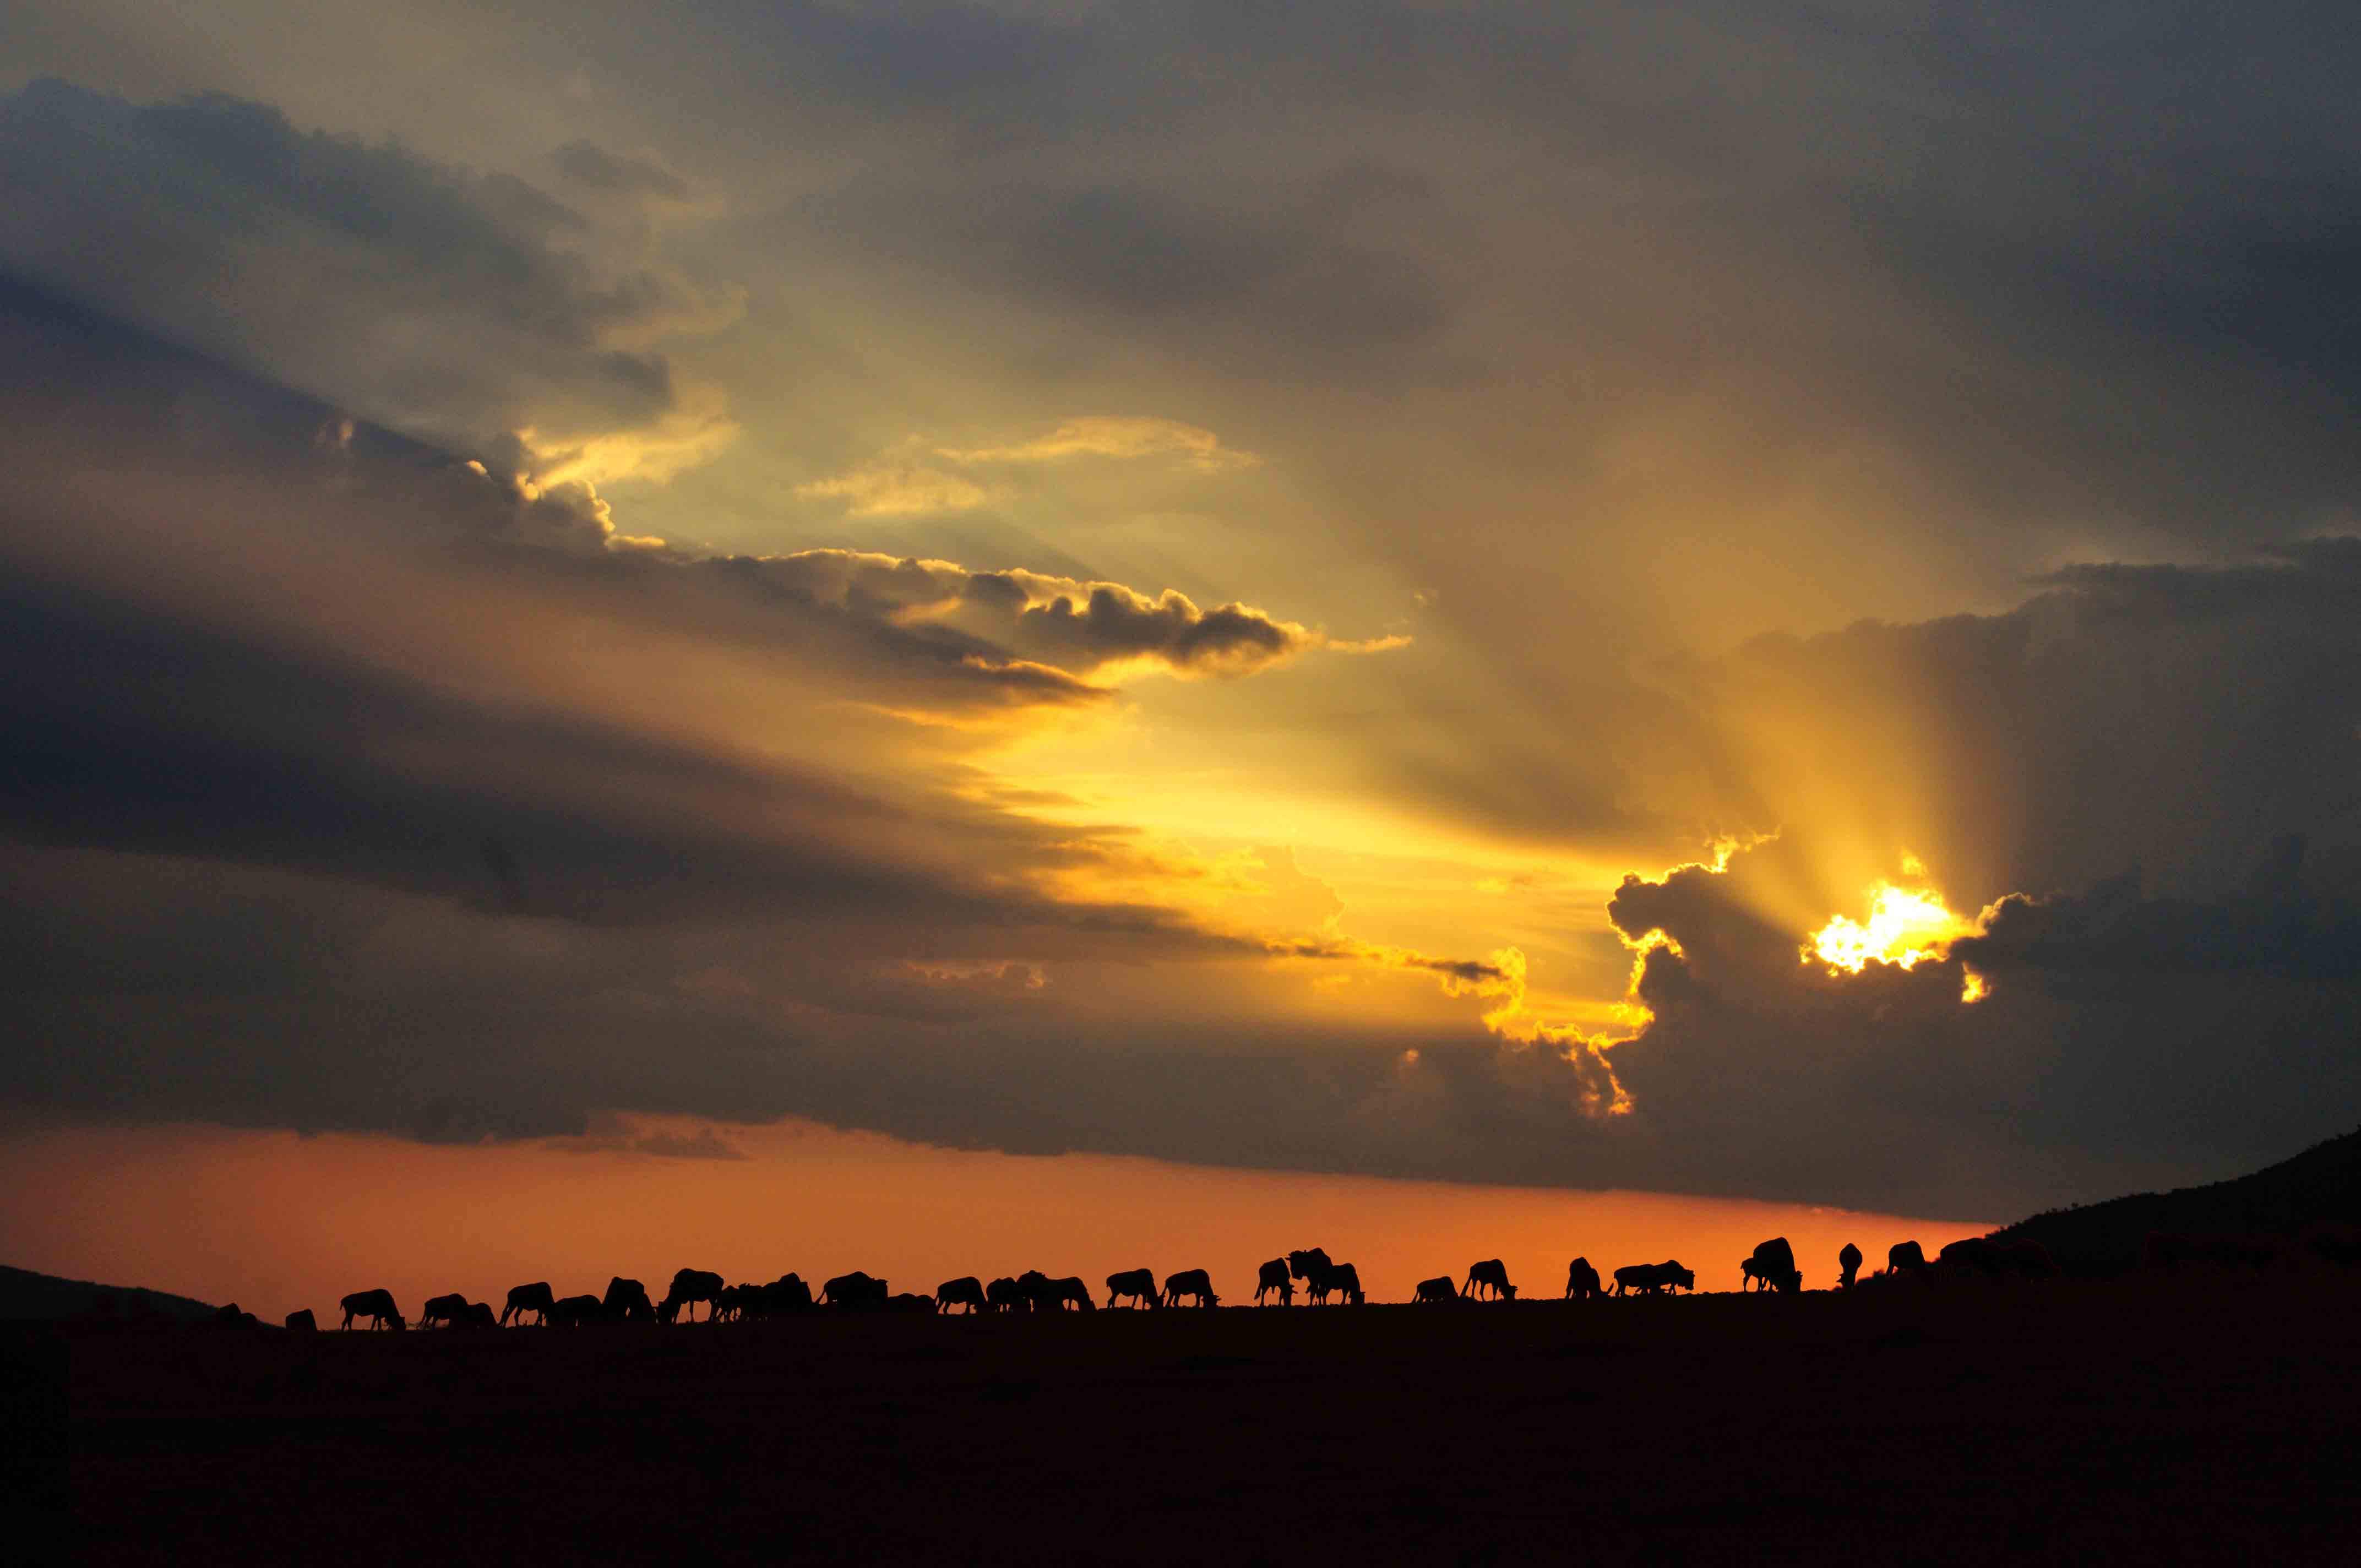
(275, 1221)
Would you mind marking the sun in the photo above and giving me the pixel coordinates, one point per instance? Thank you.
(1907, 925)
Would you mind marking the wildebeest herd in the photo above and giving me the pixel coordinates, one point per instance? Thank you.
(1771, 1267)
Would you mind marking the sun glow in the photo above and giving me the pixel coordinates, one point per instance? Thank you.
(1906, 926)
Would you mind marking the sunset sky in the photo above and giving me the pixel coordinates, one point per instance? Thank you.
(1009, 610)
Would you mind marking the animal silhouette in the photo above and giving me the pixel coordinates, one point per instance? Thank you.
(1772, 1266)
(1069, 1292)
(1041, 1293)
(1345, 1281)
(691, 1285)
(1273, 1276)
(375, 1305)
(534, 1297)
(1319, 1275)
(1139, 1284)
(965, 1291)
(1647, 1278)
(1491, 1275)
(853, 1289)
(1193, 1282)
(301, 1321)
(1441, 1288)
(1004, 1296)
(441, 1310)
(787, 1293)
(572, 1312)
(478, 1315)
(1907, 1257)
(626, 1302)
(1582, 1280)
(910, 1301)
(1847, 1265)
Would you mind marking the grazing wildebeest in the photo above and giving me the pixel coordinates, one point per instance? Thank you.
(1907, 1257)
(967, 1291)
(1345, 1281)
(1972, 1252)
(910, 1301)
(1772, 1266)
(787, 1293)
(1582, 1280)
(441, 1310)
(1191, 1282)
(736, 1303)
(1040, 1293)
(572, 1312)
(1006, 1295)
(1274, 1276)
(1491, 1275)
(1311, 1267)
(853, 1289)
(478, 1315)
(1139, 1284)
(1439, 1288)
(627, 1301)
(2028, 1257)
(691, 1285)
(1651, 1277)
(1070, 1291)
(1847, 1265)
(301, 1321)
(376, 1306)
(534, 1297)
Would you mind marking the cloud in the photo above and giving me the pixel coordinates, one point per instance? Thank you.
(1113, 436)
(448, 304)
(896, 489)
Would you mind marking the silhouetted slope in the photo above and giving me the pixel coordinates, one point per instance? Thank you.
(24, 1295)
(2320, 1186)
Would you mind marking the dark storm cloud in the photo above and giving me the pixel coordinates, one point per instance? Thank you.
(2120, 1030)
(1303, 272)
(454, 305)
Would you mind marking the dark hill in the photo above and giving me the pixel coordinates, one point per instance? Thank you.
(24, 1295)
(2320, 1186)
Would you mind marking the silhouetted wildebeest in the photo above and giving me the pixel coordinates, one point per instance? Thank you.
(1070, 1291)
(236, 1317)
(1273, 1277)
(1006, 1295)
(1311, 1267)
(375, 1305)
(1491, 1275)
(853, 1289)
(626, 1302)
(1907, 1257)
(1441, 1288)
(1847, 1265)
(1345, 1281)
(1582, 1280)
(909, 1301)
(478, 1315)
(1193, 1282)
(689, 1286)
(534, 1297)
(441, 1310)
(967, 1291)
(572, 1312)
(1139, 1284)
(1772, 1266)
(1041, 1293)
(736, 1303)
(1649, 1278)
(787, 1293)
(301, 1321)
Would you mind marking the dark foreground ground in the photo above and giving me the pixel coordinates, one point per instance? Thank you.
(2136, 1422)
